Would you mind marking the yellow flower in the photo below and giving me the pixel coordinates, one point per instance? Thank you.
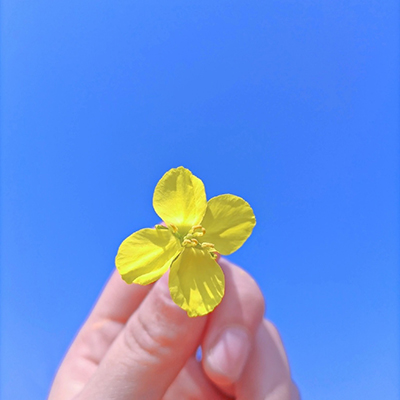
(195, 231)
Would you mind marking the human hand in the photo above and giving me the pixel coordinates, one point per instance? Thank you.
(138, 344)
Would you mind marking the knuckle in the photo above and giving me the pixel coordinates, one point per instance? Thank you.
(274, 332)
(141, 342)
(251, 294)
(258, 300)
(97, 337)
(275, 336)
(243, 300)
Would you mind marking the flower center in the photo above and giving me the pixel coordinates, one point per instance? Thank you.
(192, 240)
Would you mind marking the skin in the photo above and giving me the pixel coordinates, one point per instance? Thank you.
(137, 344)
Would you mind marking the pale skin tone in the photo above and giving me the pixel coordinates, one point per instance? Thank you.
(138, 344)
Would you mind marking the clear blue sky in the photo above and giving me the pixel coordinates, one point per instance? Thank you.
(293, 105)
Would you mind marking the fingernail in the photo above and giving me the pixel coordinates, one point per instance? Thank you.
(229, 355)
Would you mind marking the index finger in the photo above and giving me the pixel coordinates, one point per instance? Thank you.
(117, 302)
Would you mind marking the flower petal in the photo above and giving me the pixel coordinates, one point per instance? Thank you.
(180, 199)
(146, 255)
(196, 282)
(229, 221)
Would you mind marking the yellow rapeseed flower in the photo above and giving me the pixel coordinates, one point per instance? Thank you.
(195, 231)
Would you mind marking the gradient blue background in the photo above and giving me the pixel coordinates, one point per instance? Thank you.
(293, 105)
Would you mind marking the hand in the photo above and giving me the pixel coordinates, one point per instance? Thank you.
(137, 344)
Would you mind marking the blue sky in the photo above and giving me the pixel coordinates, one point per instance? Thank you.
(293, 105)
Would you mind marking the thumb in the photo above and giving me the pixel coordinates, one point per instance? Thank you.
(149, 352)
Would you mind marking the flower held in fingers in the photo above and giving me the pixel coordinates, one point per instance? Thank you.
(195, 231)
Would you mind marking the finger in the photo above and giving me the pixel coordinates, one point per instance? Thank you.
(232, 326)
(192, 383)
(150, 351)
(114, 307)
(267, 373)
(119, 300)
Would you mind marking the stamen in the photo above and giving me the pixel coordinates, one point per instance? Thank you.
(197, 230)
(190, 243)
(174, 228)
(186, 242)
(206, 245)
